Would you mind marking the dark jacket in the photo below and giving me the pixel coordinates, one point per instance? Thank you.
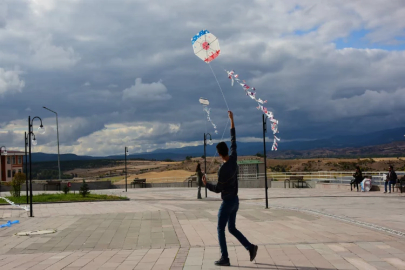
(392, 176)
(199, 178)
(228, 174)
(358, 176)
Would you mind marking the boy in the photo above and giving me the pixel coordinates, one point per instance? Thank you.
(228, 187)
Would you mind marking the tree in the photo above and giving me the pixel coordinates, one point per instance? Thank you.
(18, 180)
(259, 154)
(188, 158)
(84, 189)
(66, 189)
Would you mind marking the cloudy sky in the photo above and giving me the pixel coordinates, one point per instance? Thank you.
(123, 73)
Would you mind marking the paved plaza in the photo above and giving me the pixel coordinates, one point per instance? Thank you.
(167, 228)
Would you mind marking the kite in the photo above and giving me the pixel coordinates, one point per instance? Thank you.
(250, 93)
(206, 46)
(205, 103)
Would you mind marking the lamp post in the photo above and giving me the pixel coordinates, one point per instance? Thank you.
(265, 164)
(57, 135)
(205, 157)
(1, 171)
(26, 165)
(126, 186)
(41, 130)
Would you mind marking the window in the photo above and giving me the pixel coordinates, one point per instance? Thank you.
(19, 170)
(9, 173)
(19, 159)
(13, 173)
(13, 160)
(8, 160)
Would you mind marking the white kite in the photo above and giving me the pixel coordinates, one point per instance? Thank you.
(205, 103)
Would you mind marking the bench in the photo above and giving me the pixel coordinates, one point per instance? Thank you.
(141, 182)
(191, 180)
(356, 184)
(298, 179)
(55, 183)
(399, 184)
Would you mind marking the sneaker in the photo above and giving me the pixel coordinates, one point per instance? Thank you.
(389, 192)
(223, 262)
(253, 252)
(385, 191)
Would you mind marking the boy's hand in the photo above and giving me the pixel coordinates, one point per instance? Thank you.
(230, 115)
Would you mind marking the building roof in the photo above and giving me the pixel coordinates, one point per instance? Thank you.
(249, 161)
(13, 153)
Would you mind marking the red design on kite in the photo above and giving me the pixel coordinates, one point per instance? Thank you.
(206, 45)
(212, 56)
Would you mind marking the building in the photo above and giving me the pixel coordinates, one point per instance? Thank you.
(252, 169)
(11, 164)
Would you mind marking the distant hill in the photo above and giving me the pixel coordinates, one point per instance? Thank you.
(394, 149)
(357, 143)
(42, 157)
(37, 157)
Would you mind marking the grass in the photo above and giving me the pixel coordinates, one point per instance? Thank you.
(61, 197)
(113, 179)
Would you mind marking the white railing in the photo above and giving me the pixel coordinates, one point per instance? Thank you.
(331, 176)
(320, 176)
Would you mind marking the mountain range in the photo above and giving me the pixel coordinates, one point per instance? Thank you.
(244, 149)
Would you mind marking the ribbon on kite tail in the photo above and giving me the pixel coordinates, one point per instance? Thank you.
(251, 92)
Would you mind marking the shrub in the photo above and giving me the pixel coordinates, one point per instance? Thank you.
(84, 189)
(18, 180)
(66, 189)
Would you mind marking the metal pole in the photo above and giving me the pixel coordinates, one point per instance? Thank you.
(126, 189)
(29, 147)
(57, 136)
(57, 131)
(26, 166)
(1, 171)
(265, 165)
(205, 162)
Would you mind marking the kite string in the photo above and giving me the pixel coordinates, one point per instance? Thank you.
(220, 88)
(213, 158)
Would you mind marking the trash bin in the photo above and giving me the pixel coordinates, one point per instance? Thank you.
(366, 185)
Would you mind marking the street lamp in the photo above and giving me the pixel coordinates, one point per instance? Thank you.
(205, 156)
(4, 153)
(126, 151)
(26, 165)
(57, 134)
(265, 164)
(41, 130)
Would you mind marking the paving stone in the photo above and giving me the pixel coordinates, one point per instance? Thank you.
(169, 229)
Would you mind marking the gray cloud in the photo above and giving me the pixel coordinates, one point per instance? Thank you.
(81, 58)
(143, 92)
(10, 81)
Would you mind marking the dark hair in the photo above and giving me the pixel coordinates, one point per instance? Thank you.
(198, 167)
(222, 149)
(358, 168)
(391, 167)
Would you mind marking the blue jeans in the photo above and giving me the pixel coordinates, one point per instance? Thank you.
(389, 183)
(227, 214)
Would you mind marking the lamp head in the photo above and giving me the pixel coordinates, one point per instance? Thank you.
(41, 130)
(34, 140)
